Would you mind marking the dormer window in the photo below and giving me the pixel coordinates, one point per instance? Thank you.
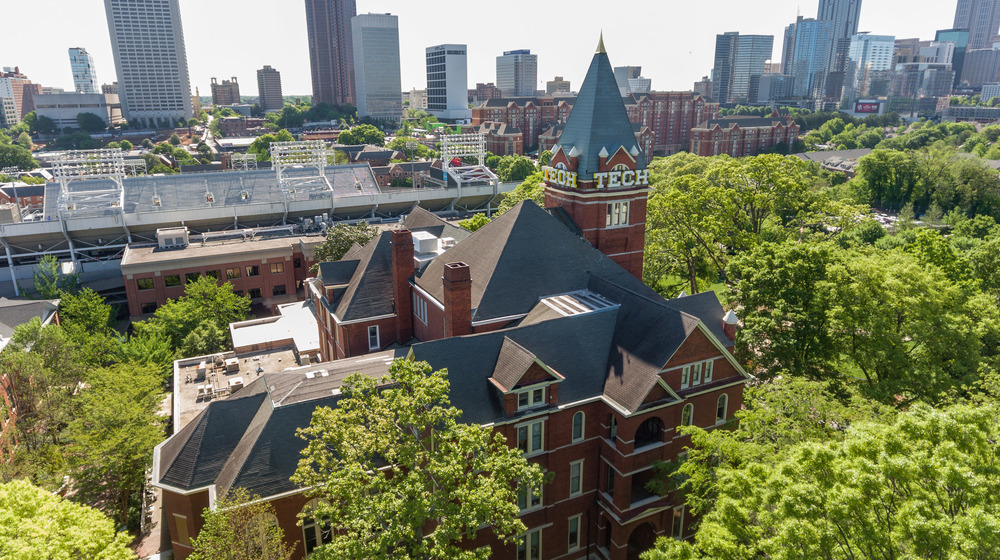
(531, 398)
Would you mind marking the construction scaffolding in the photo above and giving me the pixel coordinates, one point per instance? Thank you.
(90, 180)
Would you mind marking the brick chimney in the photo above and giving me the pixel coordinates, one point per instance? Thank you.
(402, 269)
(457, 299)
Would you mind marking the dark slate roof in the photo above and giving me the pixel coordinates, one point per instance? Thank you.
(746, 121)
(522, 255)
(16, 312)
(706, 307)
(598, 120)
(512, 362)
(414, 167)
(337, 273)
(369, 293)
(522, 101)
(420, 219)
(23, 190)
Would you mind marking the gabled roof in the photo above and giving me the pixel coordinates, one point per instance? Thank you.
(599, 119)
(337, 273)
(521, 256)
(369, 293)
(420, 219)
(16, 312)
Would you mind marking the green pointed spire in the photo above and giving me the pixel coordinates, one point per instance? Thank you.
(600, 45)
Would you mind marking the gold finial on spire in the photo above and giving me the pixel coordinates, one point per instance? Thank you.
(600, 45)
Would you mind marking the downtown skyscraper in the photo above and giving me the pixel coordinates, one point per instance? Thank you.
(84, 76)
(981, 18)
(331, 58)
(148, 43)
(843, 17)
(738, 58)
(517, 73)
(376, 67)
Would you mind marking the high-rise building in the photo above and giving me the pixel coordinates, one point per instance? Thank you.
(376, 66)
(623, 74)
(737, 58)
(843, 17)
(18, 89)
(148, 43)
(328, 25)
(982, 66)
(448, 82)
(640, 85)
(226, 93)
(981, 18)
(961, 39)
(559, 84)
(84, 75)
(269, 89)
(939, 52)
(517, 73)
(703, 87)
(810, 57)
(869, 66)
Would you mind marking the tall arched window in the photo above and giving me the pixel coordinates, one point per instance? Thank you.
(687, 414)
(578, 426)
(314, 534)
(649, 432)
(720, 409)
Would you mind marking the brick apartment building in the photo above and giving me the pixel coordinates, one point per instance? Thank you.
(741, 136)
(27, 196)
(548, 334)
(502, 139)
(235, 127)
(270, 271)
(484, 92)
(670, 116)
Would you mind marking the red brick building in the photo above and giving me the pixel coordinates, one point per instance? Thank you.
(27, 196)
(743, 135)
(502, 139)
(549, 337)
(233, 127)
(669, 115)
(484, 92)
(270, 271)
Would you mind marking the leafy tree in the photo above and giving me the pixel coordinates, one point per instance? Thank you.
(362, 134)
(206, 338)
(262, 145)
(50, 282)
(114, 435)
(35, 523)
(515, 168)
(545, 157)
(533, 188)
(15, 155)
(126, 145)
(204, 301)
(36, 124)
(340, 238)
(150, 349)
(89, 122)
(86, 317)
(163, 148)
(147, 143)
(24, 141)
(475, 222)
(921, 486)
(420, 151)
(237, 528)
(409, 423)
(175, 140)
(492, 161)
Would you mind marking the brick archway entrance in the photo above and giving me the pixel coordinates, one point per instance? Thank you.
(642, 539)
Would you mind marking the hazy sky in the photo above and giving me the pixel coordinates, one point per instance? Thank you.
(673, 41)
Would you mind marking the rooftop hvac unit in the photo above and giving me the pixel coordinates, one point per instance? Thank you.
(425, 242)
(447, 242)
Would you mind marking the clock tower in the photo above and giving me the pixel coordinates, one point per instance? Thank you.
(598, 174)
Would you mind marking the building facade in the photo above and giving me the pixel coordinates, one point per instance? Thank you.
(269, 90)
(843, 16)
(623, 74)
(448, 82)
(583, 368)
(869, 66)
(556, 85)
(16, 87)
(960, 37)
(981, 66)
(742, 136)
(981, 18)
(376, 67)
(147, 39)
(517, 73)
(226, 93)
(63, 108)
(737, 58)
(328, 26)
(811, 57)
(484, 92)
(84, 74)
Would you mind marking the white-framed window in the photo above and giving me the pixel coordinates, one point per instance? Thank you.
(315, 534)
(617, 214)
(531, 398)
(573, 526)
(708, 371)
(420, 308)
(531, 437)
(529, 545)
(578, 419)
(576, 477)
(720, 409)
(528, 499)
(685, 377)
(695, 374)
(687, 414)
(373, 338)
(677, 531)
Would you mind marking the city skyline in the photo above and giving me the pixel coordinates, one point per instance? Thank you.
(680, 55)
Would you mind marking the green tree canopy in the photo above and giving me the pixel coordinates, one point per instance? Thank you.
(175, 140)
(362, 134)
(475, 222)
(36, 524)
(89, 122)
(238, 528)
(532, 188)
(515, 168)
(340, 238)
(15, 155)
(438, 475)
(204, 301)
